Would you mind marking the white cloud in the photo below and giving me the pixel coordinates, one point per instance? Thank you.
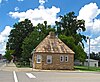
(0, 1)
(42, 2)
(6, 31)
(94, 45)
(16, 8)
(38, 15)
(89, 13)
(3, 38)
(96, 26)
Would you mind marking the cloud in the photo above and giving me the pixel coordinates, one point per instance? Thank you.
(16, 8)
(96, 26)
(42, 2)
(3, 38)
(0, 1)
(89, 13)
(38, 15)
(94, 45)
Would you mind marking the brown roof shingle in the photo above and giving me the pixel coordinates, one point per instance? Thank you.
(52, 44)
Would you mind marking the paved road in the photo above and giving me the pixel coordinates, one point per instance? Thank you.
(6, 76)
(48, 77)
(1, 63)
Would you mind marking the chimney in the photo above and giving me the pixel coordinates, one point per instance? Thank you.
(52, 35)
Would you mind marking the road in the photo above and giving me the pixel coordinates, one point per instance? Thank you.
(1, 63)
(49, 76)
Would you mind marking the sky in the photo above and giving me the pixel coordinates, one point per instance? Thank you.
(13, 11)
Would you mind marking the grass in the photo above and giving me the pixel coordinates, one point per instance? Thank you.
(22, 64)
(85, 68)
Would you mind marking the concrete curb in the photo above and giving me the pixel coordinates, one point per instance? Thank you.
(12, 67)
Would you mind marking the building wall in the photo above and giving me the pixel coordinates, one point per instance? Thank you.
(56, 64)
(91, 64)
(35, 64)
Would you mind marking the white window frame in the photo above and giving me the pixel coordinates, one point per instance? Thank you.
(38, 58)
(61, 58)
(67, 58)
(49, 57)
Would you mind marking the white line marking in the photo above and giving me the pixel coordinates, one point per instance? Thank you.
(30, 75)
(15, 76)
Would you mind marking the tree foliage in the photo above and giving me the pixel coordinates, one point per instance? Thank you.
(24, 37)
(68, 30)
(17, 35)
(70, 42)
(30, 42)
(71, 26)
(9, 55)
(95, 56)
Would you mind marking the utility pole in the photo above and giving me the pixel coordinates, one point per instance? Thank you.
(89, 53)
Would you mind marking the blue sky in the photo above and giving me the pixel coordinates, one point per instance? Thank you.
(12, 11)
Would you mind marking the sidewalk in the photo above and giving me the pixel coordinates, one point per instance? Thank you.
(12, 67)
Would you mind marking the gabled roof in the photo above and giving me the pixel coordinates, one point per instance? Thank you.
(52, 44)
(91, 60)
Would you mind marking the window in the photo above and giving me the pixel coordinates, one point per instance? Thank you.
(49, 59)
(66, 58)
(39, 58)
(61, 58)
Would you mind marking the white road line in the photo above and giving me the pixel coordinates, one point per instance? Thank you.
(15, 76)
(30, 75)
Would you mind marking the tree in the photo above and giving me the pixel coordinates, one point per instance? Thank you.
(79, 51)
(95, 56)
(31, 41)
(17, 35)
(69, 25)
(68, 30)
(8, 55)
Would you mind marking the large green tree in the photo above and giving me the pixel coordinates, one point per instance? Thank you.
(24, 37)
(9, 55)
(68, 30)
(69, 25)
(17, 35)
(31, 41)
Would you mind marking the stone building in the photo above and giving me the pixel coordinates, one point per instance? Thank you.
(52, 53)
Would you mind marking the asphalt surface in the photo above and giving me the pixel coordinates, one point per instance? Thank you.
(10, 73)
(8, 76)
(2, 64)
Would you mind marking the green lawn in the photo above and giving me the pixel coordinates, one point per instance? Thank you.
(22, 64)
(84, 68)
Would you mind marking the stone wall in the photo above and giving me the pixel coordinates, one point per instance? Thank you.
(56, 64)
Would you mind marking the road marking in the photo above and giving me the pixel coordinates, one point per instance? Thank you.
(30, 75)
(15, 76)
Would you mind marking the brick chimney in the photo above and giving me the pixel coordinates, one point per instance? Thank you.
(52, 34)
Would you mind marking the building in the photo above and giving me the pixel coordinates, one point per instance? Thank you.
(52, 53)
(0, 56)
(92, 63)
